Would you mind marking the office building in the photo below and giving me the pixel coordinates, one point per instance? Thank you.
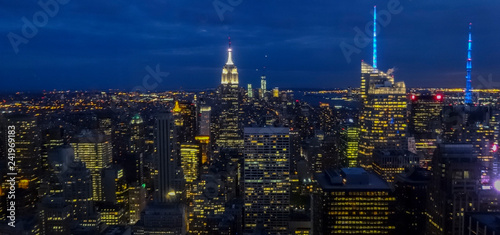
(95, 150)
(453, 190)
(410, 189)
(166, 157)
(383, 121)
(266, 179)
(389, 163)
(349, 143)
(230, 136)
(353, 201)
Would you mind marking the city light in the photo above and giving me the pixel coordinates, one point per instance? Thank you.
(496, 185)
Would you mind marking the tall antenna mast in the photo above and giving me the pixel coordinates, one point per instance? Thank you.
(375, 37)
(468, 86)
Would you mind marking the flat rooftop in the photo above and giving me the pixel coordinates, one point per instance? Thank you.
(356, 178)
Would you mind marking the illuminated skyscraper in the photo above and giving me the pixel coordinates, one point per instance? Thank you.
(425, 122)
(208, 205)
(185, 121)
(166, 157)
(266, 179)
(249, 91)
(94, 149)
(204, 121)
(190, 161)
(276, 92)
(350, 145)
(263, 86)
(230, 131)
(383, 122)
(137, 135)
(353, 201)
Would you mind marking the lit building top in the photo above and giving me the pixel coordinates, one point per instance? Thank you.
(230, 72)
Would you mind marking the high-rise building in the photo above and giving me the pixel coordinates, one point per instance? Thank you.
(204, 120)
(51, 138)
(190, 161)
(326, 118)
(209, 202)
(410, 189)
(266, 179)
(353, 201)
(249, 91)
(229, 122)
(137, 202)
(115, 186)
(383, 121)
(55, 216)
(263, 86)
(350, 145)
(426, 122)
(78, 193)
(388, 163)
(453, 189)
(276, 92)
(137, 135)
(166, 157)
(185, 121)
(27, 159)
(94, 149)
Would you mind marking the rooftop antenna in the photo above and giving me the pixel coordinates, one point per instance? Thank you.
(229, 52)
(468, 86)
(375, 37)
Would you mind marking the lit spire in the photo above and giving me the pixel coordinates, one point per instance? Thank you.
(375, 37)
(468, 86)
(229, 53)
(177, 108)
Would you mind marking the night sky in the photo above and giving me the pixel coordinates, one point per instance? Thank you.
(103, 44)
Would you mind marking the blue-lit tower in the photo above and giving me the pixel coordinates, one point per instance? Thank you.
(468, 87)
(374, 37)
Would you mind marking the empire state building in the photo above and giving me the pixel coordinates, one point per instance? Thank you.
(230, 136)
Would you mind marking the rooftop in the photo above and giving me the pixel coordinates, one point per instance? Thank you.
(350, 179)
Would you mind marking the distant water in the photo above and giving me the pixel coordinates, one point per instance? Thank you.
(315, 99)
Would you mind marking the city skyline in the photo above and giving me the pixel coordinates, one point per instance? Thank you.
(228, 118)
(109, 51)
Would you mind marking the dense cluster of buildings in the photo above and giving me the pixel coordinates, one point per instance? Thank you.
(252, 161)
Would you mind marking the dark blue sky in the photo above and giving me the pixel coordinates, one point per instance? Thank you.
(101, 44)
